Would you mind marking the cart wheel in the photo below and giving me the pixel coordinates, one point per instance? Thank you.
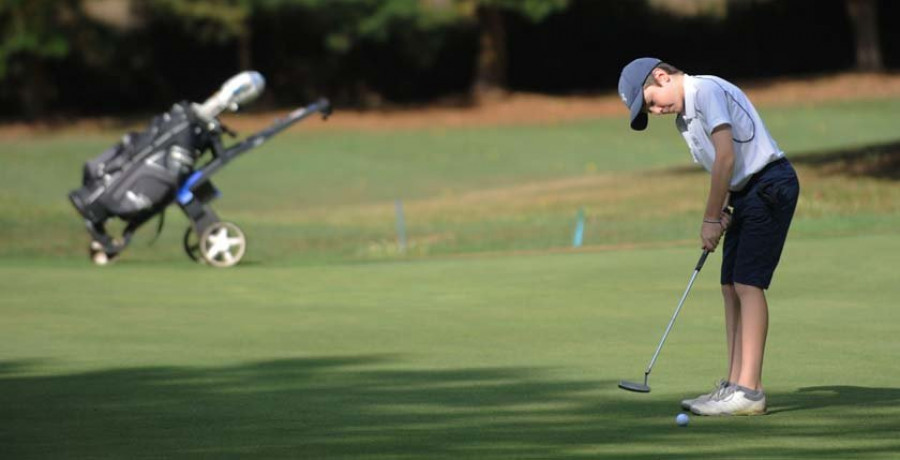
(191, 243)
(222, 244)
(98, 256)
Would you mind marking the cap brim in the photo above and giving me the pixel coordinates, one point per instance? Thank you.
(638, 116)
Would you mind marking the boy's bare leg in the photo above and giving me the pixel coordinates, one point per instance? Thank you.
(732, 331)
(754, 326)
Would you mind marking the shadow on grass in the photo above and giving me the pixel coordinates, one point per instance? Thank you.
(880, 161)
(837, 396)
(356, 408)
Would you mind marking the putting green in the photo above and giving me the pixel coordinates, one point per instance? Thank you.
(478, 357)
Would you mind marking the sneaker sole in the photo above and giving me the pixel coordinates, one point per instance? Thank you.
(751, 412)
(743, 413)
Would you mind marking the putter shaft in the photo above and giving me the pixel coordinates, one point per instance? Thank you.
(675, 315)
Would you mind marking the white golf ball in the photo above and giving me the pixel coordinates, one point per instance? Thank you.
(682, 419)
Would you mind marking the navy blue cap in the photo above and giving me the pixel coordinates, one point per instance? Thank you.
(631, 89)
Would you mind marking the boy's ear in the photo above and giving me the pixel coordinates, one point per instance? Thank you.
(661, 76)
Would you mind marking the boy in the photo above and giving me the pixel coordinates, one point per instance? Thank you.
(749, 173)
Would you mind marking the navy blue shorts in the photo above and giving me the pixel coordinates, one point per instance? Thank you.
(762, 215)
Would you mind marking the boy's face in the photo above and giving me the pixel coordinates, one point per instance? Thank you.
(665, 96)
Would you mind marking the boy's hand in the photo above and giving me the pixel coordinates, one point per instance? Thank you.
(712, 230)
(710, 234)
(725, 219)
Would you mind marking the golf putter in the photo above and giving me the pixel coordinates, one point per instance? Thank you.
(643, 387)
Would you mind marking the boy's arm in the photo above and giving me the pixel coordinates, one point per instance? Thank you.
(722, 170)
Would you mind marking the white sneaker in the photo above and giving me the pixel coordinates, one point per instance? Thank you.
(721, 385)
(733, 401)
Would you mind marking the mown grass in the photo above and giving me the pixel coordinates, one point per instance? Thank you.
(512, 356)
(328, 343)
(319, 196)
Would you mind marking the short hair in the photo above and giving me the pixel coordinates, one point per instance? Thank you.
(668, 68)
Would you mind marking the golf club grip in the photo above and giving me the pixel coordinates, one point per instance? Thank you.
(701, 261)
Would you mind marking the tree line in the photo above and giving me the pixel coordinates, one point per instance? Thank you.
(86, 57)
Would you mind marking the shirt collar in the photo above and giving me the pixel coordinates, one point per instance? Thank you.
(690, 93)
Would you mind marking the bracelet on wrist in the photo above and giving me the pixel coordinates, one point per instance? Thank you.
(706, 221)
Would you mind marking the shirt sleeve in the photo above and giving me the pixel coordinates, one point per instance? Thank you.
(713, 104)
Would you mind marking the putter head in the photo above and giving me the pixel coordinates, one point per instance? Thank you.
(633, 386)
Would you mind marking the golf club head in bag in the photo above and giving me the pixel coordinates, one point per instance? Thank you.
(234, 93)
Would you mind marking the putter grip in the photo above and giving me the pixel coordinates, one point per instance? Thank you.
(701, 261)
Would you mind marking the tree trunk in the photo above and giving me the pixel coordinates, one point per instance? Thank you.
(490, 70)
(35, 90)
(864, 18)
(245, 47)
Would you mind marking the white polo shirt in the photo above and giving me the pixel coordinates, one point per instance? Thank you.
(710, 102)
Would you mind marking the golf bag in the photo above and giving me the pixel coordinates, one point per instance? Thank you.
(137, 178)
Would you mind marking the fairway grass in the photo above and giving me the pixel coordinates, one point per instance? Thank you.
(483, 357)
(314, 197)
(490, 337)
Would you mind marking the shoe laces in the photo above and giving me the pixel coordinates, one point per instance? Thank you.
(723, 391)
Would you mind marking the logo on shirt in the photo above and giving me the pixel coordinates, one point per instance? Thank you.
(624, 98)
